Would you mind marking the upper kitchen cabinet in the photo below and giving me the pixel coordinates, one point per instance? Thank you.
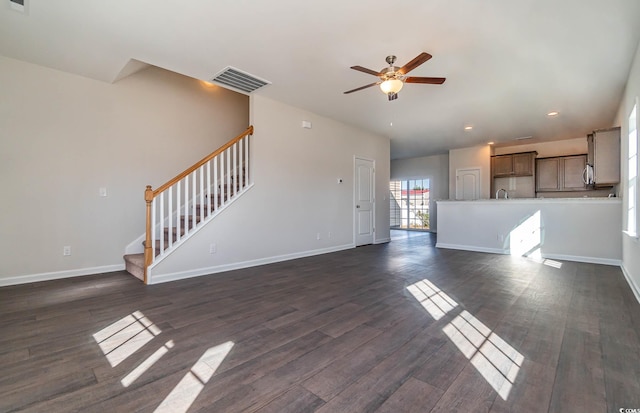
(604, 156)
(562, 173)
(515, 164)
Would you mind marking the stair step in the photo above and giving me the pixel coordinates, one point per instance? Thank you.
(166, 245)
(134, 264)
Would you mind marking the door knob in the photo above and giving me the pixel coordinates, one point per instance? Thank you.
(357, 206)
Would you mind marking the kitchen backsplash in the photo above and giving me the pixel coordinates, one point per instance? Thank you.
(517, 187)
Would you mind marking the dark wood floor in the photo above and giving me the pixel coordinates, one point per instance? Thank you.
(401, 327)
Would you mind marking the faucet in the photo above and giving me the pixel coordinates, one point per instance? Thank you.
(506, 194)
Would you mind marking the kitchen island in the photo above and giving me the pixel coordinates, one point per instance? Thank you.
(572, 229)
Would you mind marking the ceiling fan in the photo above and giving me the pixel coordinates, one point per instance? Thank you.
(392, 78)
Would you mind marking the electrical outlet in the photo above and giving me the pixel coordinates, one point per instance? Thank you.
(318, 235)
(66, 250)
(102, 191)
(329, 234)
(212, 248)
(500, 238)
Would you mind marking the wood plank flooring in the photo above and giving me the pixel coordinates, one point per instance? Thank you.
(340, 332)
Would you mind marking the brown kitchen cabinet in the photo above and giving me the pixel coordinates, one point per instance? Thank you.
(515, 164)
(562, 173)
(604, 156)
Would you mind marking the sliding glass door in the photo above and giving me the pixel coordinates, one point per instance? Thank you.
(409, 204)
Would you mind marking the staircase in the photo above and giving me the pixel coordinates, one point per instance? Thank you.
(182, 206)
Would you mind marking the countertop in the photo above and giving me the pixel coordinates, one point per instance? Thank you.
(538, 200)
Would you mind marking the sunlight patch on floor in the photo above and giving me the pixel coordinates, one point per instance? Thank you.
(494, 358)
(146, 365)
(536, 256)
(121, 339)
(434, 300)
(184, 394)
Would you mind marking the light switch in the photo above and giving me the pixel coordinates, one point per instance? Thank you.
(103, 191)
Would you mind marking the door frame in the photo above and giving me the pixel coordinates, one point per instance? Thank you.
(373, 195)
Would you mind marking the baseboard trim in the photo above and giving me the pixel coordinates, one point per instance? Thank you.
(588, 260)
(162, 278)
(634, 287)
(56, 275)
(382, 240)
(473, 248)
(575, 258)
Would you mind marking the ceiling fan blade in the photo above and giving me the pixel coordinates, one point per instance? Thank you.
(420, 59)
(427, 80)
(362, 87)
(365, 70)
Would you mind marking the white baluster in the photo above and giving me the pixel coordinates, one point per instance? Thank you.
(194, 195)
(247, 158)
(209, 204)
(162, 223)
(222, 191)
(186, 205)
(241, 164)
(178, 211)
(170, 216)
(153, 230)
(215, 182)
(203, 201)
(228, 151)
(235, 168)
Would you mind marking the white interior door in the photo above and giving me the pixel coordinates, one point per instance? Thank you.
(364, 201)
(468, 184)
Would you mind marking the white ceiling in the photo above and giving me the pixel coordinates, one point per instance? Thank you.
(507, 63)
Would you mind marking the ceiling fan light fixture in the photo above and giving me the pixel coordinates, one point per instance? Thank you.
(391, 86)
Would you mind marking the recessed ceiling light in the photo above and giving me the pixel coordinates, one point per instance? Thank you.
(390, 123)
(554, 113)
(468, 127)
(490, 143)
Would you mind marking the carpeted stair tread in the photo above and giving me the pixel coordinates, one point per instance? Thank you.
(134, 264)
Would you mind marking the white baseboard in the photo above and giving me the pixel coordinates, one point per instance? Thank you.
(382, 240)
(473, 248)
(56, 275)
(588, 260)
(634, 287)
(576, 258)
(162, 278)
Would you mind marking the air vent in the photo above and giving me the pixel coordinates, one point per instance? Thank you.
(238, 80)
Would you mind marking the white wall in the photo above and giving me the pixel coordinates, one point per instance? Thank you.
(436, 168)
(65, 136)
(474, 157)
(586, 230)
(630, 245)
(295, 195)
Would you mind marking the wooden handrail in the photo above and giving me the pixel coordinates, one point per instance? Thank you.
(204, 160)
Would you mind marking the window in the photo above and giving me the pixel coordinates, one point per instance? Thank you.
(409, 204)
(633, 172)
